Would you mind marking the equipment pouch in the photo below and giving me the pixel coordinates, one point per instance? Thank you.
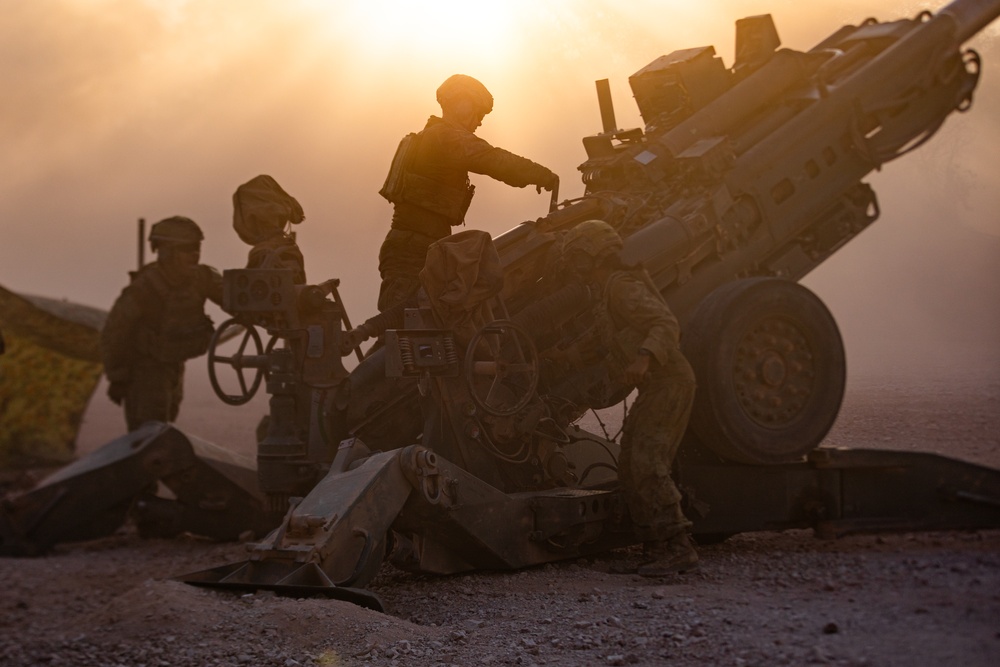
(183, 344)
(392, 189)
(470, 190)
(449, 202)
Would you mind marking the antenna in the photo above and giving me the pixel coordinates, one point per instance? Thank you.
(142, 242)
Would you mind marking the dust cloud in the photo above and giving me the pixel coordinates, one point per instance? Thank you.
(116, 110)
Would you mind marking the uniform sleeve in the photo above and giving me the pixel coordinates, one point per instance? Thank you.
(119, 334)
(213, 284)
(632, 302)
(478, 156)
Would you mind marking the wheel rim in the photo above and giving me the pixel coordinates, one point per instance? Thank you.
(773, 372)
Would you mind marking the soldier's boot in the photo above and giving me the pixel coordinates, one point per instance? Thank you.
(670, 556)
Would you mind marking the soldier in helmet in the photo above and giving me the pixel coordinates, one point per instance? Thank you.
(641, 338)
(429, 186)
(158, 322)
(262, 215)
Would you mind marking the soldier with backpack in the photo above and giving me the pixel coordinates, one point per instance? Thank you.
(158, 322)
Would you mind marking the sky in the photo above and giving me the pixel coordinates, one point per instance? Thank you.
(123, 109)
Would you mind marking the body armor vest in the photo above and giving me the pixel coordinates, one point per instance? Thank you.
(175, 327)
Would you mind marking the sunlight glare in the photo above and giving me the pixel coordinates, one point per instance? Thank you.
(433, 28)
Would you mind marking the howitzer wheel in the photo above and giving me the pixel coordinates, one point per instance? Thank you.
(771, 371)
(239, 362)
(501, 368)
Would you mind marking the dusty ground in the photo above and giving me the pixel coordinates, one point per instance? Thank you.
(759, 599)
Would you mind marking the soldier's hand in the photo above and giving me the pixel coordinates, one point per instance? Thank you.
(551, 183)
(635, 373)
(116, 392)
(351, 339)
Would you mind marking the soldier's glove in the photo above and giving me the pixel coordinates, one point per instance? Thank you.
(116, 392)
(351, 339)
(550, 183)
(636, 372)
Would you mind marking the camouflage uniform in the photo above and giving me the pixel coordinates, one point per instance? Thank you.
(279, 252)
(631, 317)
(436, 191)
(156, 324)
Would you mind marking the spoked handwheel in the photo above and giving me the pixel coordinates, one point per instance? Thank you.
(501, 368)
(239, 362)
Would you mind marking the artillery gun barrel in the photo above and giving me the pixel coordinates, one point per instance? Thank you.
(970, 16)
(951, 27)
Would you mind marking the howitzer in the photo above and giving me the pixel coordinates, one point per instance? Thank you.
(452, 449)
(742, 181)
(755, 172)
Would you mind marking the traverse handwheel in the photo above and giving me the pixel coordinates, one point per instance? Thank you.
(240, 361)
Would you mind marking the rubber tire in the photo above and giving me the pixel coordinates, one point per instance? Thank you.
(771, 370)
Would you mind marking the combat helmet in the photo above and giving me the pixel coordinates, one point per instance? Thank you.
(458, 86)
(174, 231)
(596, 238)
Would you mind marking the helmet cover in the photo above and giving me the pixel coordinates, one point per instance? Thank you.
(596, 238)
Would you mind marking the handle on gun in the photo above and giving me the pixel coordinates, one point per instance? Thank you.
(332, 286)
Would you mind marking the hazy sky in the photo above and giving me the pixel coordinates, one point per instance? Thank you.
(120, 109)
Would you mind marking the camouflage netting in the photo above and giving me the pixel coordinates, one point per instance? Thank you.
(50, 369)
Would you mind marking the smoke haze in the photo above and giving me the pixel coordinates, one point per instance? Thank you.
(120, 109)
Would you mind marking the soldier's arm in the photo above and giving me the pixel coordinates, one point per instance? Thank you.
(213, 284)
(480, 157)
(375, 326)
(633, 303)
(118, 335)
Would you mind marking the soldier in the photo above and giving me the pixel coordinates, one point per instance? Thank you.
(429, 182)
(642, 339)
(262, 214)
(158, 322)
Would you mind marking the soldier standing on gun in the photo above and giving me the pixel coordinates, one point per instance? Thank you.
(158, 322)
(429, 186)
(642, 339)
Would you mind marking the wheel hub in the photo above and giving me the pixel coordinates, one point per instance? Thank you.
(773, 372)
(772, 369)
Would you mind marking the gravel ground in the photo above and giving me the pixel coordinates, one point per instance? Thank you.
(758, 599)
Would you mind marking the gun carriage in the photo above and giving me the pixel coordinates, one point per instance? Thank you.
(450, 450)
